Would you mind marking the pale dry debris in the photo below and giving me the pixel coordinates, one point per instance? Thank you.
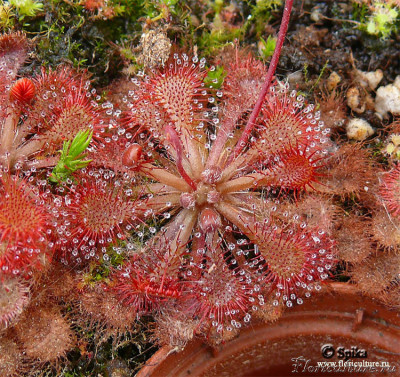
(388, 99)
(333, 81)
(316, 14)
(359, 129)
(354, 100)
(369, 80)
(392, 149)
(155, 48)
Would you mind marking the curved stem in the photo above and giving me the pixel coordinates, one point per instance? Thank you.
(271, 71)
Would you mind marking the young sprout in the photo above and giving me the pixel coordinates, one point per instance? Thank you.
(72, 157)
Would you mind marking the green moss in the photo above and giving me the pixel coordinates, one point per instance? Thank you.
(101, 39)
(210, 42)
(7, 16)
(382, 21)
(99, 271)
(261, 14)
(268, 47)
(27, 7)
(67, 33)
(359, 12)
(379, 19)
(14, 11)
(247, 24)
(215, 78)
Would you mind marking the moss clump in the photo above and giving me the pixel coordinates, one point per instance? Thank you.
(14, 11)
(73, 34)
(85, 33)
(377, 18)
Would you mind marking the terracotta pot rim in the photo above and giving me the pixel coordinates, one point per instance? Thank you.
(346, 317)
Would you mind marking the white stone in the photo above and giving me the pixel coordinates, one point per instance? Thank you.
(359, 129)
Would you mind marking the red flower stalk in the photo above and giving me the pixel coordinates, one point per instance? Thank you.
(268, 80)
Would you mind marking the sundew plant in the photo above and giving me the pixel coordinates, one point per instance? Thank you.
(194, 204)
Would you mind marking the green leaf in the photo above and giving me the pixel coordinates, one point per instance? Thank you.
(72, 157)
(215, 78)
(268, 47)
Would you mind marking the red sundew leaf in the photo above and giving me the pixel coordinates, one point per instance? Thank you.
(147, 283)
(221, 295)
(293, 259)
(98, 213)
(76, 115)
(14, 296)
(244, 80)
(295, 171)
(390, 190)
(286, 123)
(45, 334)
(24, 225)
(176, 88)
(13, 53)
(175, 94)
